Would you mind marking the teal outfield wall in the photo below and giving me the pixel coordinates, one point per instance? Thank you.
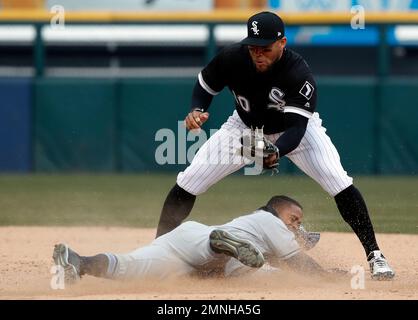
(110, 125)
(75, 125)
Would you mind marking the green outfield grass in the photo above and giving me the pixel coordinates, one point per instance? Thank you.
(136, 200)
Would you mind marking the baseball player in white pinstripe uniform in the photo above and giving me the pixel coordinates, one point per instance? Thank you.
(271, 233)
(274, 89)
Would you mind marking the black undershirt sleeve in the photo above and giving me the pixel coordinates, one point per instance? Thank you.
(291, 138)
(201, 99)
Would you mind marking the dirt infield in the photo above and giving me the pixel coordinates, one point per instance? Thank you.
(26, 261)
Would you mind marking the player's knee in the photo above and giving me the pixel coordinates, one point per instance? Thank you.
(181, 192)
(337, 189)
(192, 189)
(191, 184)
(336, 184)
(350, 191)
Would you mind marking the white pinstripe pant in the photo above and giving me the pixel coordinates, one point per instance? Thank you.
(217, 158)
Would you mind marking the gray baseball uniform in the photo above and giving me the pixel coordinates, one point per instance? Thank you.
(187, 249)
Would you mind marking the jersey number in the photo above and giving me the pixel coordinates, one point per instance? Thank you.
(275, 97)
(242, 102)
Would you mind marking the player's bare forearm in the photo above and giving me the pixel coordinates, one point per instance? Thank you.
(305, 264)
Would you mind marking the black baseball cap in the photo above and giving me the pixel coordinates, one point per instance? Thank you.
(263, 29)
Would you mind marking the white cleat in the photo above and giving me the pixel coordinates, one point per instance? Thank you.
(242, 250)
(379, 267)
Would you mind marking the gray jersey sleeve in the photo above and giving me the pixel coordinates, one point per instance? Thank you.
(280, 240)
(267, 232)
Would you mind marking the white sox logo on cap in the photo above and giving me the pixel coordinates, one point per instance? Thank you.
(255, 28)
(263, 29)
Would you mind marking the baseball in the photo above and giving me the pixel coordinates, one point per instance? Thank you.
(260, 145)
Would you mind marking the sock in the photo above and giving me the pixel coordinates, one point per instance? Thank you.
(353, 209)
(101, 265)
(176, 208)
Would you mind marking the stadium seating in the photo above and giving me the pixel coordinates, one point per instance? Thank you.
(22, 4)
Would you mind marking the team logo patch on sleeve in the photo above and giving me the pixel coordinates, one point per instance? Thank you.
(307, 90)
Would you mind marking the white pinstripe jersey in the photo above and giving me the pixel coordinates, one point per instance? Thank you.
(262, 98)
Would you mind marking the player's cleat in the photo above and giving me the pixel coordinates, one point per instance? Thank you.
(379, 267)
(70, 261)
(243, 250)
